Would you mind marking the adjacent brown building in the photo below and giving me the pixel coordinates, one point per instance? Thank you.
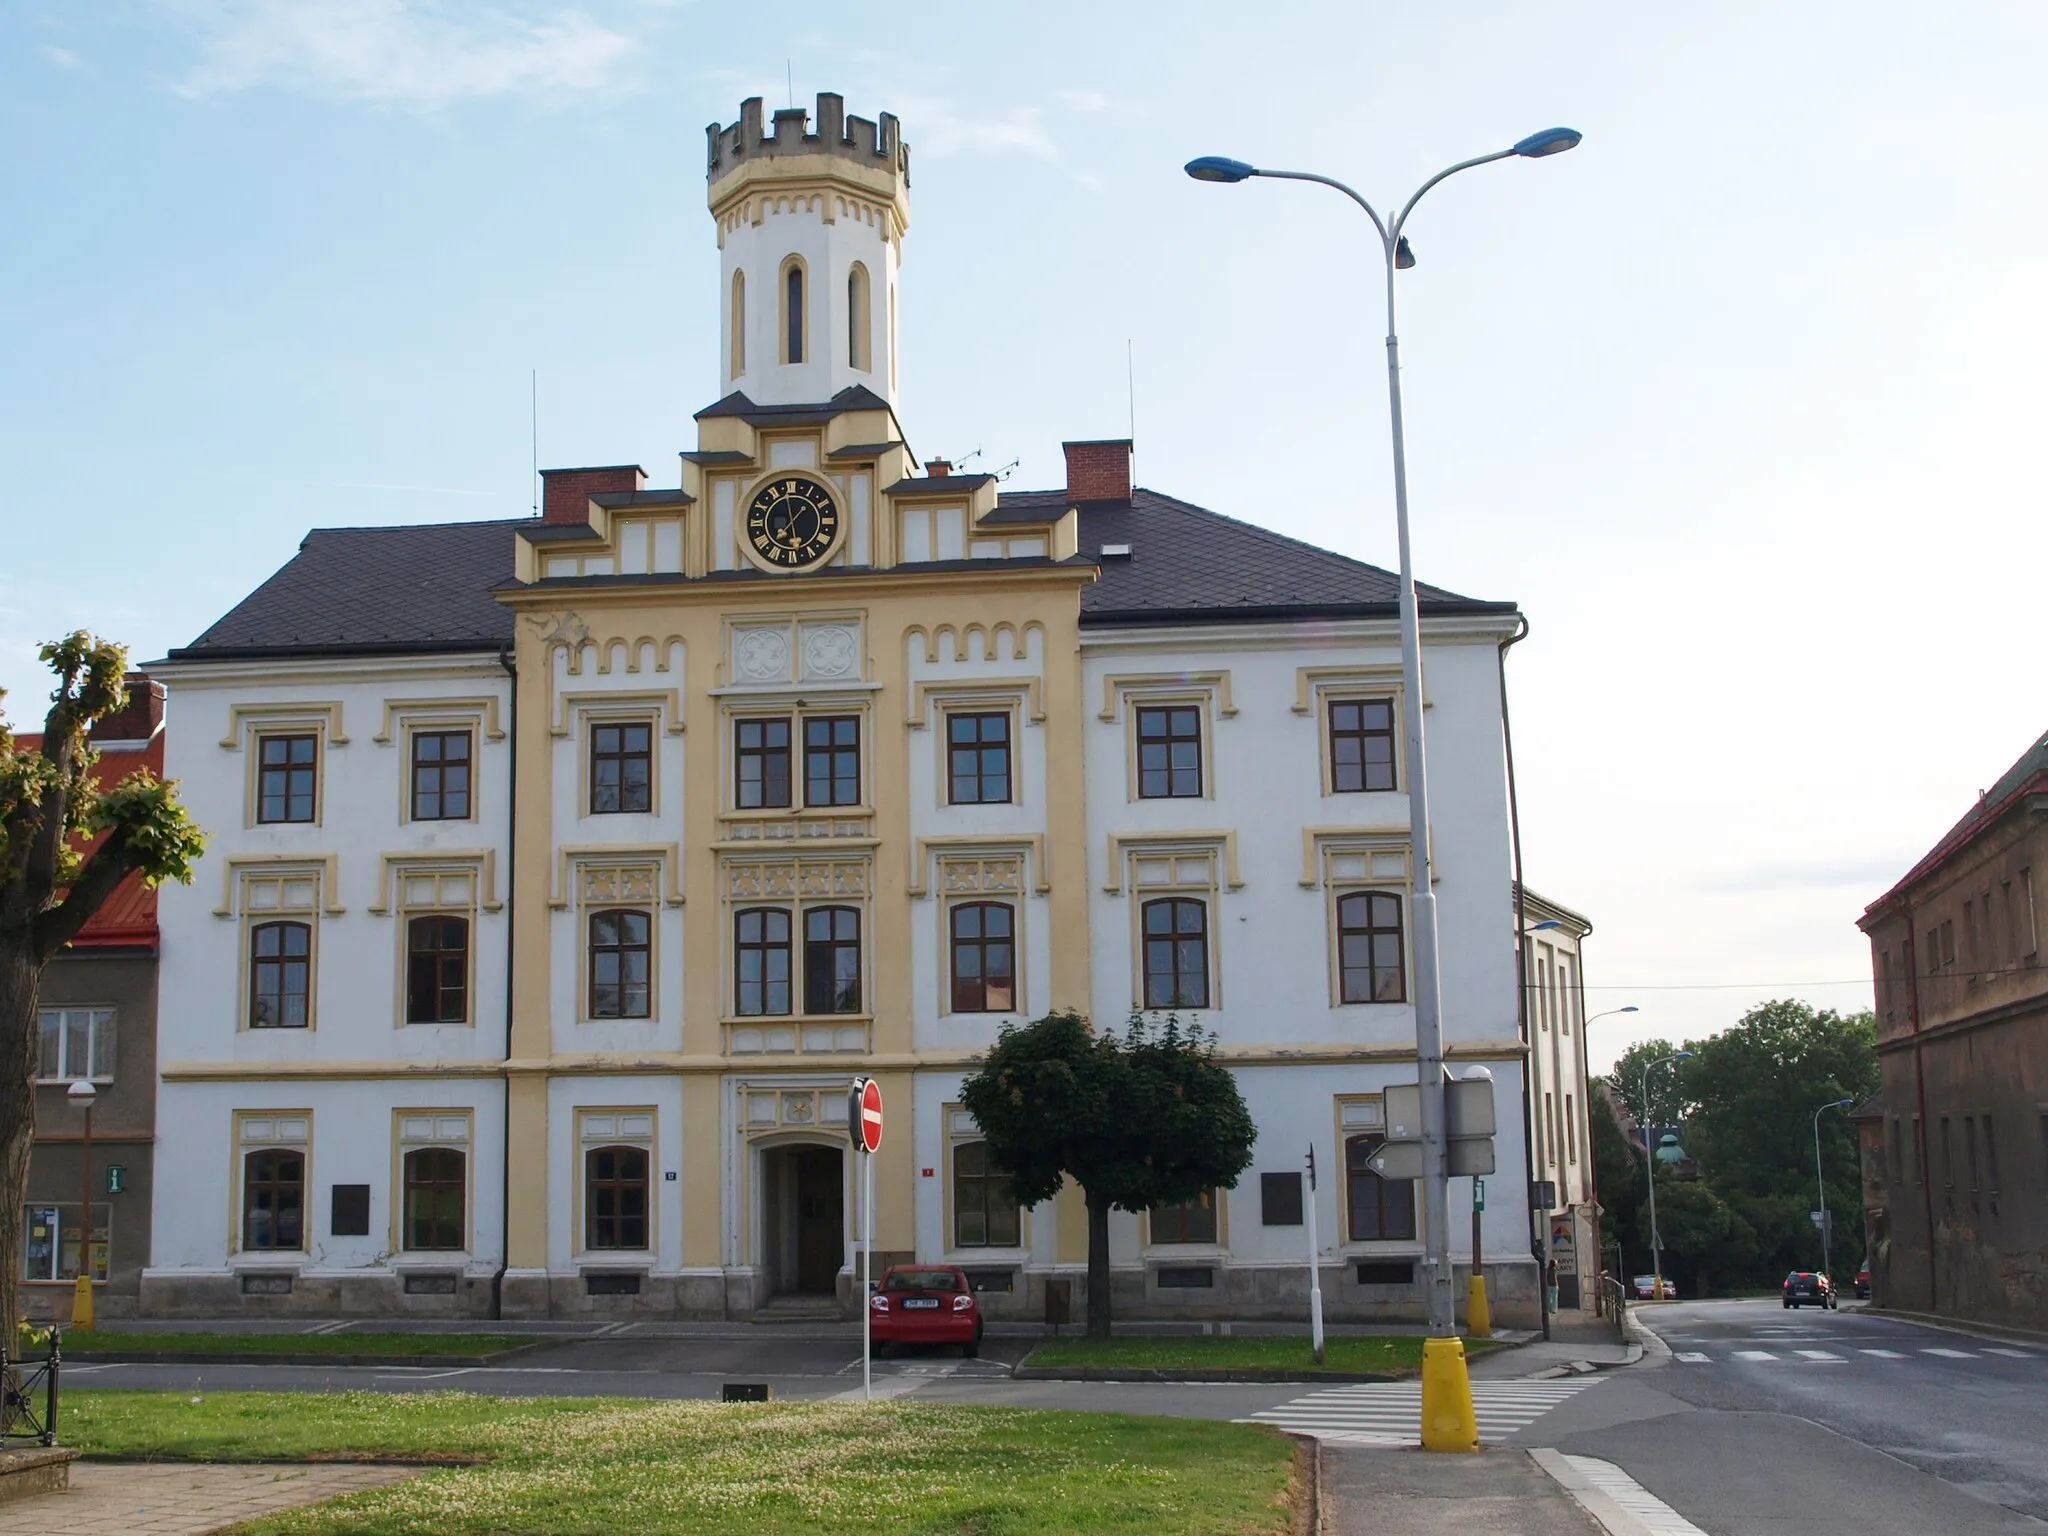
(98, 1022)
(1956, 1158)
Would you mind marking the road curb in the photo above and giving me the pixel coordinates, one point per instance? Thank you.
(1601, 1503)
(1308, 1461)
(231, 1357)
(1249, 1375)
(1968, 1327)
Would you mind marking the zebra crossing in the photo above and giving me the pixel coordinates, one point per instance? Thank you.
(1845, 1354)
(1389, 1413)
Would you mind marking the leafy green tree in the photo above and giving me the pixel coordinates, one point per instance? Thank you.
(1667, 1104)
(1618, 1181)
(1754, 1089)
(1145, 1118)
(65, 845)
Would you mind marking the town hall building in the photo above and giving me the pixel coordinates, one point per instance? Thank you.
(564, 871)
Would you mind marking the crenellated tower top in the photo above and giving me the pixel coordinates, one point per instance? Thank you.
(811, 219)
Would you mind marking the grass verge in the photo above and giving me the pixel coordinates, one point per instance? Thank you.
(451, 1346)
(562, 1465)
(1395, 1356)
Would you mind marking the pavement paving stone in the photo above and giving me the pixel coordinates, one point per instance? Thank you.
(121, 1499)
(1499, 1492)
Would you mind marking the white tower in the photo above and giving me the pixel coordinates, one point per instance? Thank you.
(810, 231)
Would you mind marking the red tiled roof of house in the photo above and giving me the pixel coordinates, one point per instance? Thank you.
(127, 919)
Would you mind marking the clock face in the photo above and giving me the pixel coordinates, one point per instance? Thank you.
(792, 522)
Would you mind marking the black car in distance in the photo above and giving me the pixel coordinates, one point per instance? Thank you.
(1804, 1287)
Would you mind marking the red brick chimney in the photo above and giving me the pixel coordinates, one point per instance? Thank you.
(140, 717)
(938, 469)
(1099, 470)
(566, 493)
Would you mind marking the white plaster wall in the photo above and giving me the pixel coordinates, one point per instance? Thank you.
(566, 1095)
(197, 1216)
(357, 1003)
(829, 251)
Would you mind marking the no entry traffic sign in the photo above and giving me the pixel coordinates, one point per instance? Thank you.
(864, 1114)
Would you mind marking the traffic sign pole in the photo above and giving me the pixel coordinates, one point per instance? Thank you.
(864, 1130)
(1315, 1253)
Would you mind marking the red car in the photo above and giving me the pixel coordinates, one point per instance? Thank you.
(925, 1304)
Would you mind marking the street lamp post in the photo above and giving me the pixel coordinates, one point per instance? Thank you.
(1650, 1172)
(1429, 1047)
(1827, 1258)
(82, 1094)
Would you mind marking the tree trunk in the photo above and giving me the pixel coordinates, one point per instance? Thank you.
(20, 980)
(1098, 1268)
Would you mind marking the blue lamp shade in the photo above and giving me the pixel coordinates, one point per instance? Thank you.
(1220, 168)
(1551, 141)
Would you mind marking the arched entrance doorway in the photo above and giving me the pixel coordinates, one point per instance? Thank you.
(803, 1218)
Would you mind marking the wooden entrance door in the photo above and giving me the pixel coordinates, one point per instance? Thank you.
(821, 1219)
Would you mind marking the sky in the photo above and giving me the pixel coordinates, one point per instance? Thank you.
(1734, 399)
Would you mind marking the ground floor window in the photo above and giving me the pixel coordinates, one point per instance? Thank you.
(434, 1186)
(49, 1246)
(1191, 1222)
(1380, 1209)
(985, 1214)
(273, 1201)
(615, 1197)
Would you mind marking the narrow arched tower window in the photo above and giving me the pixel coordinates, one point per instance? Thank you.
(739, 323)
(859, 346)
(793, 312)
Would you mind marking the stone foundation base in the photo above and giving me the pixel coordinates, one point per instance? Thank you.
(24, 1474)
(1197, 1287)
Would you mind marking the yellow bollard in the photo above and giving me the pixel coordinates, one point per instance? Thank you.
(1478, 1319)
(1448, 1423)
(81, 1304)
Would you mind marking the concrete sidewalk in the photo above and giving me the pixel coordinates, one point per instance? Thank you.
(1577, 1343)
(1499, 1492)
(124, 1499)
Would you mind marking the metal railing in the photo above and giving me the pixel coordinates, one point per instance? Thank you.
(20, 1382)
(1610, 1300)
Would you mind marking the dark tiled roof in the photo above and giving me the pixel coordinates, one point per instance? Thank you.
(390, 590)
(713, 458)
(937, 485)
(369, 590)
(2028, 774)
(1191, 565)
(855, 397)
(862, 450)
(674, 497)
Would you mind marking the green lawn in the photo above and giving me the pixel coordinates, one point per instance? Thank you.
(561, 1465)
(1237, 1351)
(448, 1345)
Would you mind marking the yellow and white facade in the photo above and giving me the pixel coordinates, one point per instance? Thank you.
(810, 767)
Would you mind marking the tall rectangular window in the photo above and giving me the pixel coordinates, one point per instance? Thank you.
(2030, 935)
(761, 763)
(75, 1043)
(761, 961)
(280, 975)
(285, 777)
(49, 1241)
(615, 1197)
(1990, 1159)
(440, 776)
(1176, 953)
(1370, 959)
(273, 1200)
(434, 1186)
(437, 970)
(1571, 1132)
(1361, 745)
(1898, 1167)
(984, 955)
(1970, 1151)
(621, 965)
(1192, 1221)
(1948, 1157)
(1169, 752)
(1379, 1209)
(621, 768)
(832, 960)
(832, 760)
(978, 758)
(985, 1214)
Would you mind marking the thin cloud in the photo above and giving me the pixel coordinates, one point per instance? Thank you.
(397, 54)
(63, 58)
(1876, 873)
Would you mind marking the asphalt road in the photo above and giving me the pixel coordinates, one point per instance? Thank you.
(1765, 1421)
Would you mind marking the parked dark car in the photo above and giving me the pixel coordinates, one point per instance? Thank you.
(1808, 1288)
(1863, 1282)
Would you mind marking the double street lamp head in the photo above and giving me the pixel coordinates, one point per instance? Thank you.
(1551, 141)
